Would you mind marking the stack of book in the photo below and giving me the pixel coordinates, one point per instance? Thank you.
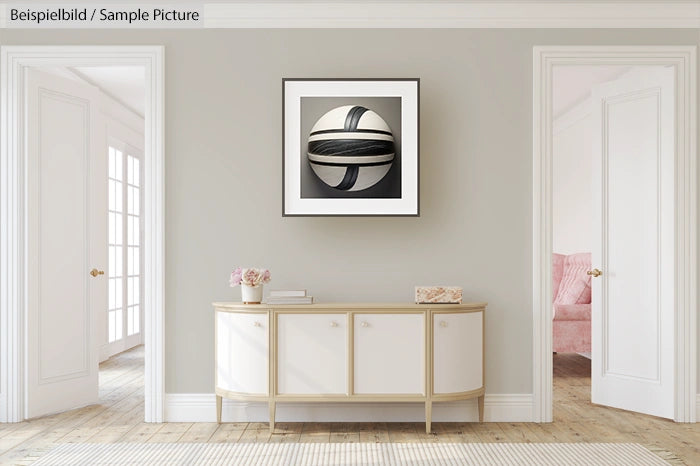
(289, 297)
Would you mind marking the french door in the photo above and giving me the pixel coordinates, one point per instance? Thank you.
(125, 239)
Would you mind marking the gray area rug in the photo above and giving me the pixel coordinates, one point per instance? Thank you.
(559, 454)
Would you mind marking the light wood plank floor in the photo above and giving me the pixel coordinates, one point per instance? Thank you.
(118, 418)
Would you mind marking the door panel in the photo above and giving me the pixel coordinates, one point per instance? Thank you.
(242, 352)
(311, 353)
(389, 353)
(63, 245)
(457, 352)
(633, 304)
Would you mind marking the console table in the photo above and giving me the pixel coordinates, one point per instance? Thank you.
(349, 352)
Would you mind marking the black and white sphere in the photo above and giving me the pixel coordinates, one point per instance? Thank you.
(351, 148)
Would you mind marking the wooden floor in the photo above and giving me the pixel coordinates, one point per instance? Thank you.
(119, 418)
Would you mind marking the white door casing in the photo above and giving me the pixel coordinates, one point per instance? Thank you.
(311, 354)
(683, 61)
(14, 62)
(67, 227)
(389, 353)
(633, 242)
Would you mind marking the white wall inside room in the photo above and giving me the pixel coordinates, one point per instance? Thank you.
(572, 138)
(572, 184)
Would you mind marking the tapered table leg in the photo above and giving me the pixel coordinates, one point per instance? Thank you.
(428, 415)
(272, 416)
(481, 408)
(218, 409)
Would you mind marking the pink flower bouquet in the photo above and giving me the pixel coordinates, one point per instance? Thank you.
(249, 276)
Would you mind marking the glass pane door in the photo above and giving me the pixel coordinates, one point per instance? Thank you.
(115, 316)
(125, 239)
(133, 256)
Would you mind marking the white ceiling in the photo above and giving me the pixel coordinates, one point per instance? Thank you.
(123, 83)
(573, 84)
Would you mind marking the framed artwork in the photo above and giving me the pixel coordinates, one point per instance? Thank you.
(350, 147)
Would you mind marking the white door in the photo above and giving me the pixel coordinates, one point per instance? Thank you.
(389, 354)
(311, 353)
(66, 233)
(633, 217)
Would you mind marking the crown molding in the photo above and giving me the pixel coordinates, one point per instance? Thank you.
(459, 14)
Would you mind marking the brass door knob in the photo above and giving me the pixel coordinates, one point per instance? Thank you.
(95, 272)
(595, 272)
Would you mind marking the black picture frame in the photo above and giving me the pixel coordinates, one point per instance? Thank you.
(397, 193)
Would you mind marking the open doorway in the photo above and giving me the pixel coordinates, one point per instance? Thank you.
(121, 345)
(572, 228)
(92, 119)
(613, 246)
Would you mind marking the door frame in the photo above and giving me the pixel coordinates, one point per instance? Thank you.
(14, 60)
(683, 59)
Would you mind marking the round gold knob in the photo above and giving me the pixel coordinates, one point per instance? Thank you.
(443, 323)
(364, 324)
(95, 272)
(595, 272)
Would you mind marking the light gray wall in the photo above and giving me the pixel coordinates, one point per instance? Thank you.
(223, 175)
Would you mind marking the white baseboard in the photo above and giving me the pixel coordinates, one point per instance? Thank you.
(201, 407)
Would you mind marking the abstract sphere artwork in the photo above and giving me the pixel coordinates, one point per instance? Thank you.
(351, 148)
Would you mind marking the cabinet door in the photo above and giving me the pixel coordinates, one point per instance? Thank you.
(457, 352)
(389, 353)
(311, 353)
(242, 352)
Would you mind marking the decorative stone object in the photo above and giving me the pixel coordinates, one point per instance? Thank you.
(438, 295)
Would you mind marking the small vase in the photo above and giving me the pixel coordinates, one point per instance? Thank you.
(251, 294)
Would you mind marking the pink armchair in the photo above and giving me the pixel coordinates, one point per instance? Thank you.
(571, 292)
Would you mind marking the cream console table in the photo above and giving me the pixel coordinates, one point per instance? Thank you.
(349, 353)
